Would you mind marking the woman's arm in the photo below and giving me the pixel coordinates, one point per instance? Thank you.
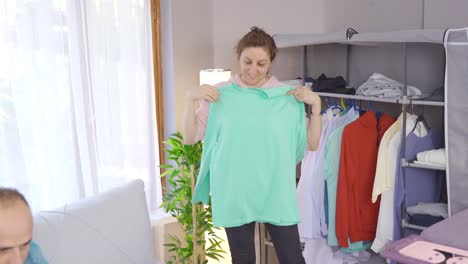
(314, 126)
(190, 128)
(190, 125)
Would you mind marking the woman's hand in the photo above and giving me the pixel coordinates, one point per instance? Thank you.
(306, 95)
(206, 92)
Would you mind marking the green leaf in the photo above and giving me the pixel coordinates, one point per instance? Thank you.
(166, 173)
(177, 201)
(166, 166)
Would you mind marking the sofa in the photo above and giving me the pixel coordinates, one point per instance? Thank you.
(111, 227)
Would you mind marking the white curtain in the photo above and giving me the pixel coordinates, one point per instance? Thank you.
(77, 108)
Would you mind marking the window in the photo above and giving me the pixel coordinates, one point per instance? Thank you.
(77, 99)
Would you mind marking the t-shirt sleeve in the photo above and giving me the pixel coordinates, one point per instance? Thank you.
(302, 134)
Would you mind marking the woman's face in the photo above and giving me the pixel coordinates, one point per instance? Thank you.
(254, 64)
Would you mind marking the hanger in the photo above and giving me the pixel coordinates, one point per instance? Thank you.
(328, 105)
(343, 105)
(336, 106)
(346, 105)
(371, 107)
(421, 118)
(353, 102)
(361, 110)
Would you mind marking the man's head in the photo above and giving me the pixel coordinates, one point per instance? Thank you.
(15, 227)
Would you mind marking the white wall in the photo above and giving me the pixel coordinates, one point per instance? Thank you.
(232, 19)
(446, 14)
(205, 32)
(192, 27)
(374, 15)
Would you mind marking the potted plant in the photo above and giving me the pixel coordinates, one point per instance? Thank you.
(194, 219)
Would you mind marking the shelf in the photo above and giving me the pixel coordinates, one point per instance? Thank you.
(363, 38)
(358, 97)
(408, 225)
(382, 100)
(422, 166)
(423, 102)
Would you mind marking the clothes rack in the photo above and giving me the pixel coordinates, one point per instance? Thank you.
(422, 46)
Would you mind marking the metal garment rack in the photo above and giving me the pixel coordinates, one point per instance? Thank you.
(405, 101)
(405, 164)
(302, 41)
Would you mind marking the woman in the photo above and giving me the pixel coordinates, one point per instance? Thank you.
(255, 51)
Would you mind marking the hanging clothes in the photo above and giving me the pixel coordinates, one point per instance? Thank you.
(318, 251)
(382, 170)
(310, 191)
(356, 215)
(422, 185)
(336, 122)
(330, 173)
(385, 178)
(307, 189)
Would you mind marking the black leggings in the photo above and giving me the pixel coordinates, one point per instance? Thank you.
(285, 239)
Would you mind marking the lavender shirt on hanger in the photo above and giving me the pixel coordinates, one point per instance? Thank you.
(422, 185)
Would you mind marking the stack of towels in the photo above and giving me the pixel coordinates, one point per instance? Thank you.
(431, 157)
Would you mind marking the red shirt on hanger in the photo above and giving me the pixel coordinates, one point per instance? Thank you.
(356, 215)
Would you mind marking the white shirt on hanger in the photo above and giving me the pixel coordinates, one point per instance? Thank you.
(385, 222)
(309, 227)
(311, 187)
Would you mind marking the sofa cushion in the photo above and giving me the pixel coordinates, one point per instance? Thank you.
(112, 227)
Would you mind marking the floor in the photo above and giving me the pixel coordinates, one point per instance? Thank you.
(375, 259)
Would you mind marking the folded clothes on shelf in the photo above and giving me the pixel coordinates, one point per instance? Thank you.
(323, 84)
(294, 82)
(434, 209)
(350, 91)
(428, 163)
(424, 219)
(431, 157)
(336, 85)
(379, 85)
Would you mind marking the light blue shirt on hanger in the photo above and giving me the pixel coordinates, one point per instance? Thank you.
(330, 173)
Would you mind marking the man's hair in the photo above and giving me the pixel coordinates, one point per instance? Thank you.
(9, 196)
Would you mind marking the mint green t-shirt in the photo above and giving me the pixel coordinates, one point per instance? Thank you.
(254, 139)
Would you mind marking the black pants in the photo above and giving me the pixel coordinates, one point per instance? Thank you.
(285, 239)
